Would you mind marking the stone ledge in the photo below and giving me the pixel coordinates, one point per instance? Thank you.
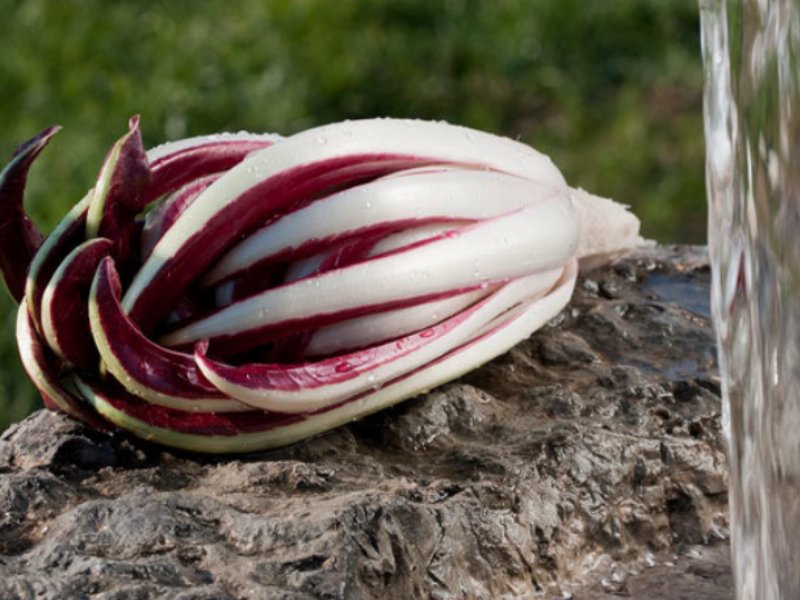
(587, 461)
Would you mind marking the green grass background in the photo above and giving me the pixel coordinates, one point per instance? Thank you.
(611, 90)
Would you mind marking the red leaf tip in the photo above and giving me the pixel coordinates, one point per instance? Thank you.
(35, 145)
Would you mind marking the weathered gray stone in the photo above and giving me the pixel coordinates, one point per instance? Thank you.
(587, 460)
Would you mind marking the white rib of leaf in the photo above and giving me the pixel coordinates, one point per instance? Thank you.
(535, 238)
(364, 331)
(452, 194)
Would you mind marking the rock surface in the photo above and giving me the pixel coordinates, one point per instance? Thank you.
(587, 463)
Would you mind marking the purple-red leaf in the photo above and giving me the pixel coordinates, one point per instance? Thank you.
(120, 192)
(203, 424)
(65, 317)
(67, 235)
(19, 237)
(44, 370)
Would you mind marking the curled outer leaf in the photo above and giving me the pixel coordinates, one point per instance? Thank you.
(155, 374)
(68, 234)
(19, 237)
(44, 370)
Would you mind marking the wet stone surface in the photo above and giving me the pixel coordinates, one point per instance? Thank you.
(586, 463)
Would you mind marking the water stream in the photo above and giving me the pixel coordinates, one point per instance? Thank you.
(751, 54)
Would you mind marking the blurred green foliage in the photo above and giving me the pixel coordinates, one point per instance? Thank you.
(611, 90)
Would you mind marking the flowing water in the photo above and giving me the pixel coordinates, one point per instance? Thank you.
(751, 54)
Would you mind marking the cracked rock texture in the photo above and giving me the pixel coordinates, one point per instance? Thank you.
(587, 462)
